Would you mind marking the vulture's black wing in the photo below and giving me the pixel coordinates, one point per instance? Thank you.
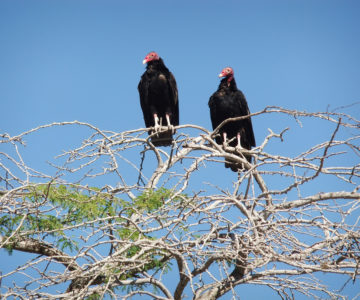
(143, 89)
(216, 114)
(244, 126)
(175, 100)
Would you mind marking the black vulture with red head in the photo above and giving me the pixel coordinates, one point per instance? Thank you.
(229, 102)
(159, 99)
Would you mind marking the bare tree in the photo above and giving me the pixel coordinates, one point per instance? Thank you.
(117, 216)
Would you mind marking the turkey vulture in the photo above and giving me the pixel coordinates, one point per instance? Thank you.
(229, 102)
(159, 99)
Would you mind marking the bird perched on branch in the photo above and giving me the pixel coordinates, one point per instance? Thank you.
(229, 102)
(159, 100)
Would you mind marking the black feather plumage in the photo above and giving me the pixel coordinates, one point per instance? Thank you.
(229, 102)
(159, 95)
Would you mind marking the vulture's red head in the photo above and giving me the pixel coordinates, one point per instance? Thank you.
(227, 72)
(150, 57)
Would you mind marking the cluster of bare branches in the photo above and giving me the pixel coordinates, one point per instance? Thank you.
(117, 216)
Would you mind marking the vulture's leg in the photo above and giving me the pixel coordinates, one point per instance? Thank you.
(157, 126)
(238, 137)
(224, 139)
(170, 127)
(239, 148)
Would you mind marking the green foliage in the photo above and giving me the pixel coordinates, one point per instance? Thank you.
(78, 207)
(81, 206)
(151, 200)
(94, 297)
(54, 208)
(147, 202)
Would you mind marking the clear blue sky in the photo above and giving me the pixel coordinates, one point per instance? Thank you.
(64, 60)
(67, 60)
